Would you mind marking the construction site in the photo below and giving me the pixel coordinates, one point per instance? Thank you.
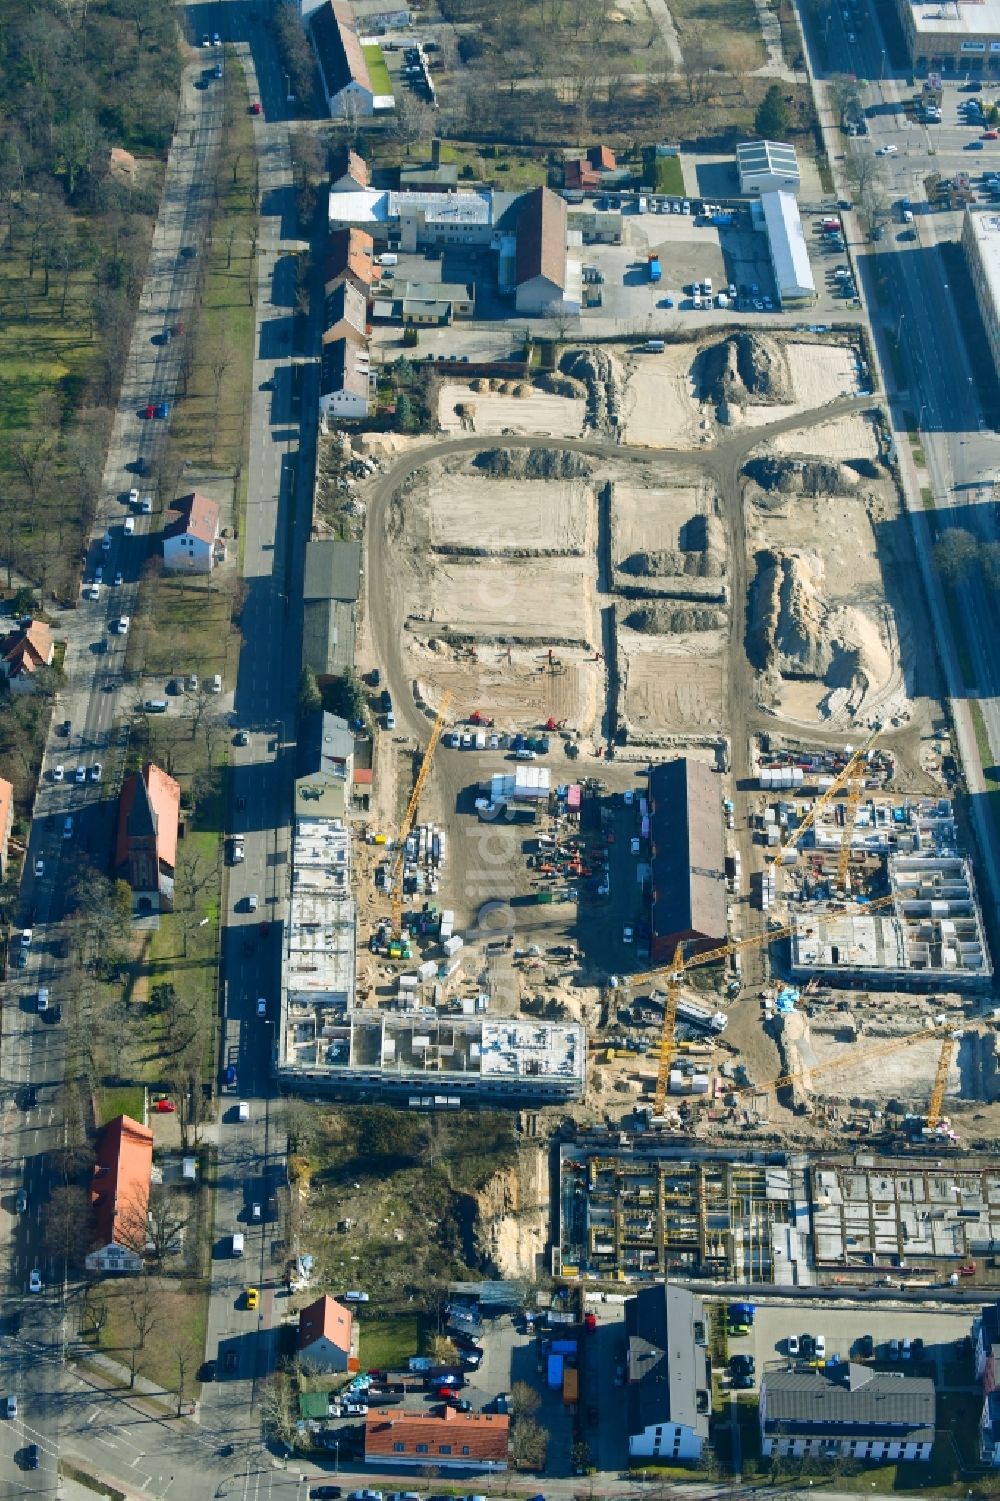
(632, 1214)
(748, 924)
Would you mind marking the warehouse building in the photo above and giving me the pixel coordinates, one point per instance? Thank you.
(849, 1410)
(767, 167)
(669, 1397)
(687, 866)
(786, 242)
(956, 36)
(981, 243)
(545, 280)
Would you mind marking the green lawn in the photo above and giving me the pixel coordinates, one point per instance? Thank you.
(377, 70)
(669, 176)
(388, 1343)
(500, 167)
(126, 1099)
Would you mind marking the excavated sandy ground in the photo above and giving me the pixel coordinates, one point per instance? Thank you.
(509, 516)
(906, 1073)
(673, 684)
(839, 440)
(538, 412)
(836, 536)
(661, 410)
(651, 520)
(659, 407)
(548, 598)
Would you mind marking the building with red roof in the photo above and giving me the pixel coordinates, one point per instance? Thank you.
(191, 539)
(119, 1196)
(149, 811)
(326, 1334)
(23, 652)
(444, 1438)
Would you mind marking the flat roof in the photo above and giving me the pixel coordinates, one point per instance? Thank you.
(422, 1045)
(985, 226)
(787, 240)
(320, 936)
(978, 18)
(766, 156)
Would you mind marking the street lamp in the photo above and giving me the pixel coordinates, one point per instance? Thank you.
(882, 74)
(899, 327)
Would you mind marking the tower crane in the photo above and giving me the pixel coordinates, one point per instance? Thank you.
(941, 1080)
(849, 1060)
(673, 974)
(396, 874)
(854, 791)
(853, 769)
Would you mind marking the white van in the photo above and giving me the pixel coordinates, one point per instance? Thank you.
(387, 259)
(243, 1111)
(237, 1242)
(390, 720)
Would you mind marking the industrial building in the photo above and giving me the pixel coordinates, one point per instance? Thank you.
(959, 36)
(981, 243)
(931, 934)
(546, 280)
(687, 862)
(429, 1062)
(329, 601)
(669, 1395)
(778, 214)
(767, 167)
(847, 1409)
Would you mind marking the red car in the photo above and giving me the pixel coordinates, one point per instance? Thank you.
(164, 1107)
(150, 412)
(255, 108)
(990, 135)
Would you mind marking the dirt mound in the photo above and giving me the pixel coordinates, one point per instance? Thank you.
(786, 617)
(795, 633)
(798, 476)
(744, 369)
(598, 372)
(533, 463)
(560, 385)
(700, 553)
(673, 620)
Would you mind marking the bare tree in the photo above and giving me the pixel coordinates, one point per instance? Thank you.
(170, 1213)
(277, 1408)
(144, 1313)
(67, 1224)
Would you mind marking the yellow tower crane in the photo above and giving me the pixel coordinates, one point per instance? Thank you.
(396, 874)
(941, 1081)
(854, 792)
(853, 769)
(674, 972)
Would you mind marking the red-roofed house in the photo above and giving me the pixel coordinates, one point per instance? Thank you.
(591, 171)
(446, 1438)
(191, 540)
(146, 847)
(326, 1330)
(23, 652)
(120, 1196)
(6, 822)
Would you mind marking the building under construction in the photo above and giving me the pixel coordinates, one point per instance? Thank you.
(633, 1217)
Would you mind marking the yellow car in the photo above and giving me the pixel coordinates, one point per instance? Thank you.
(253, 1298)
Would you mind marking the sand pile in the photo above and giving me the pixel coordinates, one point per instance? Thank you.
(655, 619)
(746, 369)
(794, 633)
(700, 553)
(773, 475)
(599, 373)
(532, 463)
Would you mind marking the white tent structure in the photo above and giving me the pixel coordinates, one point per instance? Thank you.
(787, 243)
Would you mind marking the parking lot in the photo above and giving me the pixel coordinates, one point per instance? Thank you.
(843, 1328)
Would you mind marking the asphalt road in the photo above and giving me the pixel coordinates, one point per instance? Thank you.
(58, 1410)
(935, 386)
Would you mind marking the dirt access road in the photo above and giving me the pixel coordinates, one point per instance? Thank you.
(721, 465)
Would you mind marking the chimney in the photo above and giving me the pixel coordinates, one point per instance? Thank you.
(436, 152)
